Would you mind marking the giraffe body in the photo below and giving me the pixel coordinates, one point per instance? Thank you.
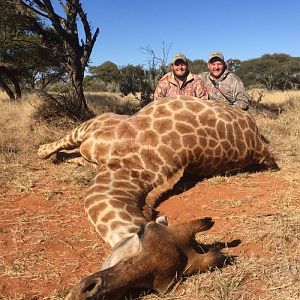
(141, 156)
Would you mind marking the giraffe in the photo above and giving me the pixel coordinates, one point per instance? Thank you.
(140, 157)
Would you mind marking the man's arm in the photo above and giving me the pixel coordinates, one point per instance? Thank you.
(241, 97)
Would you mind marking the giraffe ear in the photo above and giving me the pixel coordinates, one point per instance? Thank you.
(124, 250)
(162, 220)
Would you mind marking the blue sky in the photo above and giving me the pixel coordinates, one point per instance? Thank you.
(239, 29)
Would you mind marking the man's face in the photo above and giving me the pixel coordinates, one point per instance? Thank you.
(180, 68)
(216, 67)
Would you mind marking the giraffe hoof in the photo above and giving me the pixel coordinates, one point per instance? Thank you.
(43, 152)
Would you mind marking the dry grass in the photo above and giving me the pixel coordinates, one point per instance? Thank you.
(274, 275)
(107, 102)
(274, 97)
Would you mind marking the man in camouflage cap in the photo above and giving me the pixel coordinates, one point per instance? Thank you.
(180, 81)
(222, 84)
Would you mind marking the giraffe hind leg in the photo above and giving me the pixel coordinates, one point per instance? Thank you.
(69, 142)
(152, 197)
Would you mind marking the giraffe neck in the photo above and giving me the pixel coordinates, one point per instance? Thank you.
(114, 204)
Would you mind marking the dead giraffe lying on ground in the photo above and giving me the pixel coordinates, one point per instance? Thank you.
(140, 157)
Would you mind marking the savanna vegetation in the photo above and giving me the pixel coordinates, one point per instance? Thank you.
(48, 87)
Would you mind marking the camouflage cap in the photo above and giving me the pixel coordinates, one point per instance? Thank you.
(178, 56)
(216, 54)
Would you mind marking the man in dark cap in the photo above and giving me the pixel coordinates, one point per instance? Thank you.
(222, 84)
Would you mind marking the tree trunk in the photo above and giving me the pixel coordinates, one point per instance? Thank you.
(16, 84)
(7, 89)
(76, 74)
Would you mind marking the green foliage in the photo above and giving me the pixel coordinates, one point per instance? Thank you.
(107, 72)
(276, 71)
(131, 79)
(197, 66)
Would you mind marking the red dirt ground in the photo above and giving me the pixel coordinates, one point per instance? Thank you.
(47, 244)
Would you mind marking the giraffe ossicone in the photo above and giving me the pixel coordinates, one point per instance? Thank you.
(140, 157)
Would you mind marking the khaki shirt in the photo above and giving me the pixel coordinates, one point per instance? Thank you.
(228, 87)
(169, 86)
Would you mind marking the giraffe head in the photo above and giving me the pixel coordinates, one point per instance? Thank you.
(167, 252)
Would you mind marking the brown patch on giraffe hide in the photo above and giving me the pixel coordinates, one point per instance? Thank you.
(116, 203)
(248, 138)
(132, 163)
(134, 211)
(126, 130)
(203, 141)
(125, 216)
(189, 140)
(229, 132)
(243, 124)
(100, 150)
(114, 164)
(103, 230)
(105, 135)
(211, 132)
(147, 176)
(160, 111)
(141, 122)
(109, 216)
(92, 199)
(175, 105)
(212, 143)
(148, 138)
(119, 149)
(220, 128)
(226, 145)
(135, 174)
(183, 156)
(162, 125)
(167, 154)
(241, 148)
(120, 193)
(117, 224)
(151, 159)
(188, 117)
(195, 107)
(172, 139)
(209, 152)
(98, 189)
(218, 151)
(95, 211)
(184, 128)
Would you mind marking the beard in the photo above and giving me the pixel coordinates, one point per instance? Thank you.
(181, 77)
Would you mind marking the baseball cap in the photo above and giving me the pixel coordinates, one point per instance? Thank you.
(178, 56)
(216, 54)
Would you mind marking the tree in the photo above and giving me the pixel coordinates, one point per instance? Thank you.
(197, 66)
(273, 71)
(24, 60)
(108, 72)
(131, 79)
(9, 31)
(77, 52)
